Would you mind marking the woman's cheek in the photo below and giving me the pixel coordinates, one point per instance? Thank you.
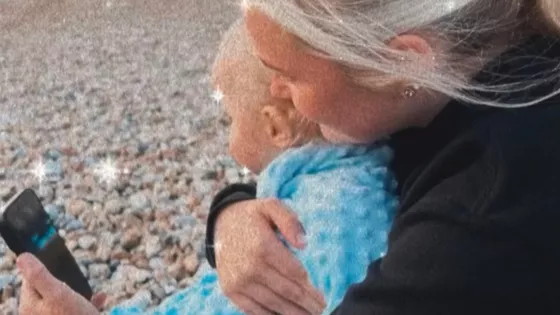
(306, 102)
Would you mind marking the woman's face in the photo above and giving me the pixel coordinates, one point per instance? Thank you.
(322, 91)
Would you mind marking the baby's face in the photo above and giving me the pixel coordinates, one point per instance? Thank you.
(242, 99)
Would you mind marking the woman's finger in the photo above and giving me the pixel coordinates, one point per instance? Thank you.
(280, 259)
(303, 295)
(29, 293)
(286, 221)
(29, 299)
(249, 306)
(274, 302)
(37, 276)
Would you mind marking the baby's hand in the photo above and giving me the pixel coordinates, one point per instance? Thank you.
(42, 293)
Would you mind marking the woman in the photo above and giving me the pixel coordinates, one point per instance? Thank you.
(477, 230)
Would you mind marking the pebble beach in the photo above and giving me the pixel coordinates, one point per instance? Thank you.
(106, 111)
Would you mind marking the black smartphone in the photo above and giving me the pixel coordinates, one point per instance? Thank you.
(25, 226)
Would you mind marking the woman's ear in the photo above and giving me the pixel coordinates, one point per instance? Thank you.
(278, 127)
(416, 45)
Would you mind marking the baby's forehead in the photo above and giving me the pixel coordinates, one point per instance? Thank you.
(243, 72)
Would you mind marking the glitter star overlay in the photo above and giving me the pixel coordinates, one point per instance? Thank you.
(246, 172)
(39, 171)
(108, 172)
(217, 96)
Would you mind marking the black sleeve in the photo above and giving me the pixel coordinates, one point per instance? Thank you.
(437, 266)
(481, 240)
(446, 265)
(227, 196)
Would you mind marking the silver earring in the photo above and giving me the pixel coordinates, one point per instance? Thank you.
(411, 90)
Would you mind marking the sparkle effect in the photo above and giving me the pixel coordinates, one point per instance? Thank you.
(246, 175)
(39, 171)
(218, 96)
(108, 172)
(246, 172)
(451, 5)
(217, 246)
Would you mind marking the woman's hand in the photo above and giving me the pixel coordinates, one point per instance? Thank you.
(256, 271)
(42, 293)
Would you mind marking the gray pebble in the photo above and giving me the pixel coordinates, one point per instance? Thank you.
(74, 225)
(53, 211)
(158, 291)
(141, 276)
(232, 175)
(72, 244)
(6, 191)
(53, 170)
(99, 271)
(6, 263)
(9, 306)
(123, 273)
(157, 263)
(169, 289)
(131, 238)
(152, 246)
(191, 263)
(113, 206)
(6, 279)
(3, 247)
(83, 256)
(53, 154)
(19, 153)
(87, 241)
(47, 192)
(184, 221)
(139, 202)
(77, 207)
(84, 270)
(141, 300)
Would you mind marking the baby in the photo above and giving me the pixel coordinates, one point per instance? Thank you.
(332, 188)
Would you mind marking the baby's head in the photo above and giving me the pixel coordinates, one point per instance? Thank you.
(261, 127)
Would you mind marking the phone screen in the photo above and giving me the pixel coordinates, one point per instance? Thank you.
(26, 218)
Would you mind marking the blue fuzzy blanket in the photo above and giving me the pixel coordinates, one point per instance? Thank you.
(345, 198)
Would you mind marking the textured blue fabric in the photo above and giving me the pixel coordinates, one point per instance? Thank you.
(344, 197)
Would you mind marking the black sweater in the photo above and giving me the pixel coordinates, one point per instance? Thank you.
(478, 229)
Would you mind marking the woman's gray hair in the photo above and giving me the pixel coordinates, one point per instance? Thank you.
(355, 33)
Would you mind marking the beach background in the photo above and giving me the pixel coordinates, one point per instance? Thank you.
(106, 111)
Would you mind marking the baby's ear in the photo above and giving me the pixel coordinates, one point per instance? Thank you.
(278, 126)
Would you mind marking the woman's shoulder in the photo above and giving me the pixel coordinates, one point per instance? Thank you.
(507, 158)
(525, 137)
